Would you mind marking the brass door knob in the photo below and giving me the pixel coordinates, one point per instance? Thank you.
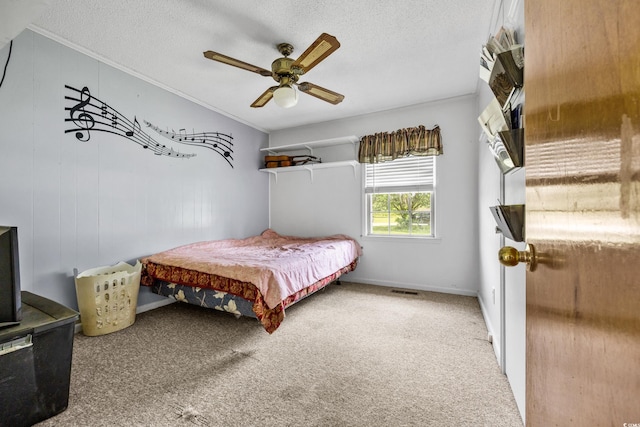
(510, 256)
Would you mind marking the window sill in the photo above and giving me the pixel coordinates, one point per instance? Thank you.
(403, 240)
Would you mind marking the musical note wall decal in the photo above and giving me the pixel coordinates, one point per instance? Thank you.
(219, 142)
(89, 114)
(135, 128)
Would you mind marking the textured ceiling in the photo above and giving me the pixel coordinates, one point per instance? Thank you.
(392, 54)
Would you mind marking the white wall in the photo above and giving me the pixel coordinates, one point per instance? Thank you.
(489, 194)
(333, 202)
(515, 277)
(507, 322)
(88, 204)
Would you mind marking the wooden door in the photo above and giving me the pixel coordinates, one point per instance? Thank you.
(582, 83)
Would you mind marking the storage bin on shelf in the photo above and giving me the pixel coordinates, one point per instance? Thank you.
(107, 297)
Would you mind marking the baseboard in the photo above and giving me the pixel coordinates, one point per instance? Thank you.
(413, 286)
(495, 338)
(155, 304)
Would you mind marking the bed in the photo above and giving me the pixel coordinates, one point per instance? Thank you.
(258, 276)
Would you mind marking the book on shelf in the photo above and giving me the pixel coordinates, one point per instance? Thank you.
(507, 76)
(486, 64)
(505, 136)
(505, 38)
(493, 119)
(516, 117)
(504, 41)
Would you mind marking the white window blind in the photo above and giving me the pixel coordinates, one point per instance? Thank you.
(404, 175)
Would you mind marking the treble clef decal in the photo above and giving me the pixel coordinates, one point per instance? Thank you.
(80, 117)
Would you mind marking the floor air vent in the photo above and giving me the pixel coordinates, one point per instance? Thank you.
(399, 291)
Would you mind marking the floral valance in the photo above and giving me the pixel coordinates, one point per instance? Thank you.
(385, 146)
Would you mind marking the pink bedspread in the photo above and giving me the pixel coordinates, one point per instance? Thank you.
(277, 265)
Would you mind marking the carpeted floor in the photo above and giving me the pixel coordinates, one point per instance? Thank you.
(351, 355)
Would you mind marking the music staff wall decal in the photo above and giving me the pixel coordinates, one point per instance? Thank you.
(89, 114)
(219, 142)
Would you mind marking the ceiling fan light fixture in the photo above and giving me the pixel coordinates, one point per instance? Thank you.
(286, 96)
(286, 72)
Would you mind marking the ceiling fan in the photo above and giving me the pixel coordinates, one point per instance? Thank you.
(287, 71)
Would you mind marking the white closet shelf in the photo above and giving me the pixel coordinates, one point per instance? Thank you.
(351, 139)
(311, 167)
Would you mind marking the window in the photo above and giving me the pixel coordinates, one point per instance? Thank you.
(400, 197)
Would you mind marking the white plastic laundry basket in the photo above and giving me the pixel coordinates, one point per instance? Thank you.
(107, 297)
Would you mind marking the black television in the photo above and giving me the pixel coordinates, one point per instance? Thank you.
(10, 301)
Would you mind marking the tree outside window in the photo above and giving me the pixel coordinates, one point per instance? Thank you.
(401, 214)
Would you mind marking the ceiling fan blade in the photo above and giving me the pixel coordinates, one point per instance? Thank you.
(324, 46)
(321, 93)
(236, 63)
(264, 98)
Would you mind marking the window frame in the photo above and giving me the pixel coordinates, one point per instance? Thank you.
(368, 209)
